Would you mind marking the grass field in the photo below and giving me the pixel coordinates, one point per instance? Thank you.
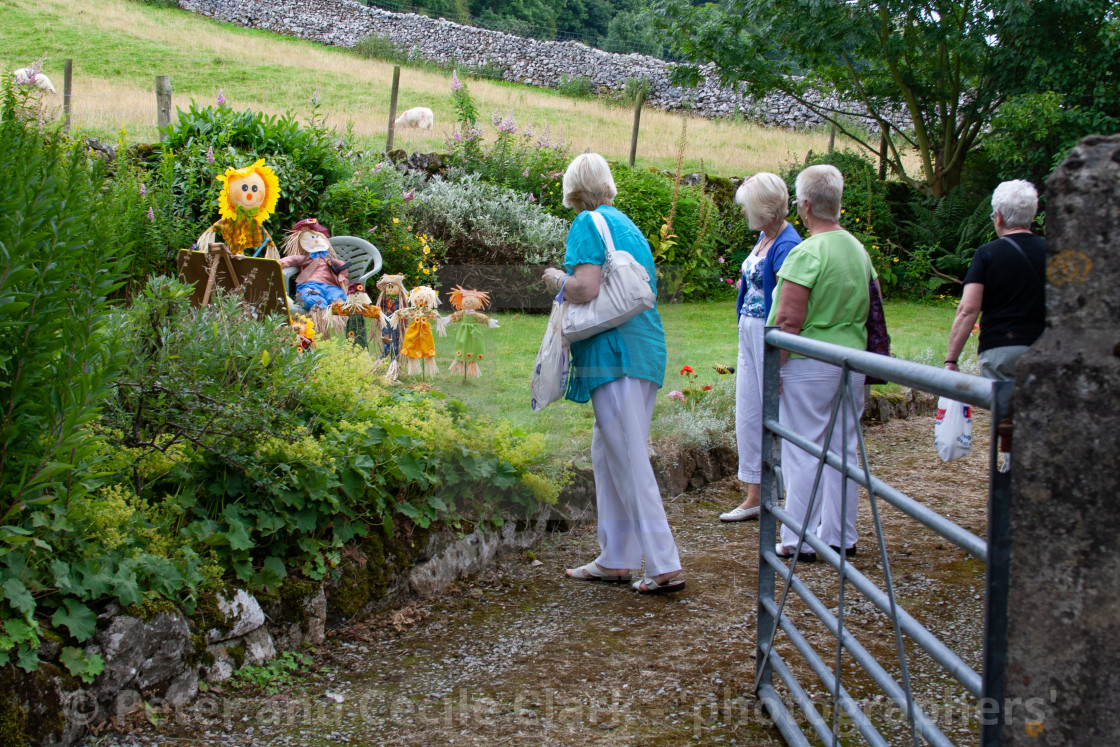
(696, 334)
(118, 46)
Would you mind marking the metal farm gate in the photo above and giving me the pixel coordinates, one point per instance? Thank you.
(777, 578)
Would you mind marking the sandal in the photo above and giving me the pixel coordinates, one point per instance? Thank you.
(594, 572)
(648, 586)
(786, 553)
(741, 514)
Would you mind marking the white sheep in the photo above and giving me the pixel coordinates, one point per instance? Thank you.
(33, 76)
(417, 116)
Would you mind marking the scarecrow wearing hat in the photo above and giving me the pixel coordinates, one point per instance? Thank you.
(324, 278)
(392, 296)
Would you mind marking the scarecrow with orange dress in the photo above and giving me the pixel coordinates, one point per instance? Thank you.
(418, 348)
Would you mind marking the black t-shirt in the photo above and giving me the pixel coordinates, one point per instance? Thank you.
(1013, 311)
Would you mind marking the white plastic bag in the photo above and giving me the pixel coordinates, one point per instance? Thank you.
(952, 433)
(624, 292)
(550, 372)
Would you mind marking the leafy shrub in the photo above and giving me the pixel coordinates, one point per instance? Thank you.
(380, 47)
(275, 459)
(60, 260)
(627, 96)
(203, 142)
(518, 159)
(483, 223)
(576, 86)
(374, 204)
(683, 250)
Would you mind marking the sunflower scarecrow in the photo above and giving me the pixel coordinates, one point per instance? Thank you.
(469, 345)
(418, 349)
(248, 198)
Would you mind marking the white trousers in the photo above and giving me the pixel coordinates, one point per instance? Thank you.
(808, 388)
(748, 398)
(632, 519)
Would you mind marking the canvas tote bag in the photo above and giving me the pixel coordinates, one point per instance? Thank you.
(624, 292)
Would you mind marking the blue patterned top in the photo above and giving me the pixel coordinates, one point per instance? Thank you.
(754, 301)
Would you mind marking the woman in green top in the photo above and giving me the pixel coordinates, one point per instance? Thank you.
(822, 294)
(620, 371)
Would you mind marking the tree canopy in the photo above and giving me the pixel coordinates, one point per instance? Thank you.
(931, 74)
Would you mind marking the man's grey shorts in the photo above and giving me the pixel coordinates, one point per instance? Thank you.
(999, 363)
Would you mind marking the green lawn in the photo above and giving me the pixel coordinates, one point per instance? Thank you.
(696, 334)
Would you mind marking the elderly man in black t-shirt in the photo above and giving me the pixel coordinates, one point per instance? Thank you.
(1006, 283)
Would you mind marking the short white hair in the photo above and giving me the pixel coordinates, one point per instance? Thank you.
(1017, 202)
(823, 186)
(588, 182)
(765, 199)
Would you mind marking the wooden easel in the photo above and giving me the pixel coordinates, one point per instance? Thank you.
(219, 252)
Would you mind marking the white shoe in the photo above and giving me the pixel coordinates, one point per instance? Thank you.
(741, 514)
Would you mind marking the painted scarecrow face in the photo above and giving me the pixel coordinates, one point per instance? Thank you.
(247, 191)
(471, 303)
(313, 241)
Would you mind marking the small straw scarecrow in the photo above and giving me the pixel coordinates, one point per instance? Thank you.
(469, 343)
(391, 298)
(248, 198)
(324, 278)
(418, 350)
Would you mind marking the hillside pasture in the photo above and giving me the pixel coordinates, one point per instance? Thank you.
(118, 47)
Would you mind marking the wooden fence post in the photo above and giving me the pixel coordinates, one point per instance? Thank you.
(393, 107)
(163, 101)
(637, 119)
(831, 138)
(67, 92)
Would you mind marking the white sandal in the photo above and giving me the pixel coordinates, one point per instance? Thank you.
(594, 572)
(741, 514)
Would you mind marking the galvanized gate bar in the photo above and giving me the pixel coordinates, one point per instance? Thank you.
(808, 707)
(974, 390)
(956, 534)
(783, 719)
(862, 656)
(930, 643)
(771, 618)
(866, 728)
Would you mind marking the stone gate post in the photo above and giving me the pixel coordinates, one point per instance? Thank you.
(1062, 684)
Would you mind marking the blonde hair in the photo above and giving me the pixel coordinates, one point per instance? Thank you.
(765, 199)
(588, 182)
(425, 293)
(823, 186)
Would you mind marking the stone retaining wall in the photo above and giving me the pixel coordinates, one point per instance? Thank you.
(343, 23)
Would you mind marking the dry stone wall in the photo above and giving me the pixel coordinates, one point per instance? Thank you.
(343, 23)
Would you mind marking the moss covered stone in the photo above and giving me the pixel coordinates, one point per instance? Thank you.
(30, 710)
(370, 569)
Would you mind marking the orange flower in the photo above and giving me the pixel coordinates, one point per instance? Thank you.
(708, 388)
(686, 370)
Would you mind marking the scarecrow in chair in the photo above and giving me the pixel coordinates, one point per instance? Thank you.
(324, 278)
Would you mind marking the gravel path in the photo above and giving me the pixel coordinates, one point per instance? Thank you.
(522, 656)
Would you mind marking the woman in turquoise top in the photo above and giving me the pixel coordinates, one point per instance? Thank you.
(619, 371)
